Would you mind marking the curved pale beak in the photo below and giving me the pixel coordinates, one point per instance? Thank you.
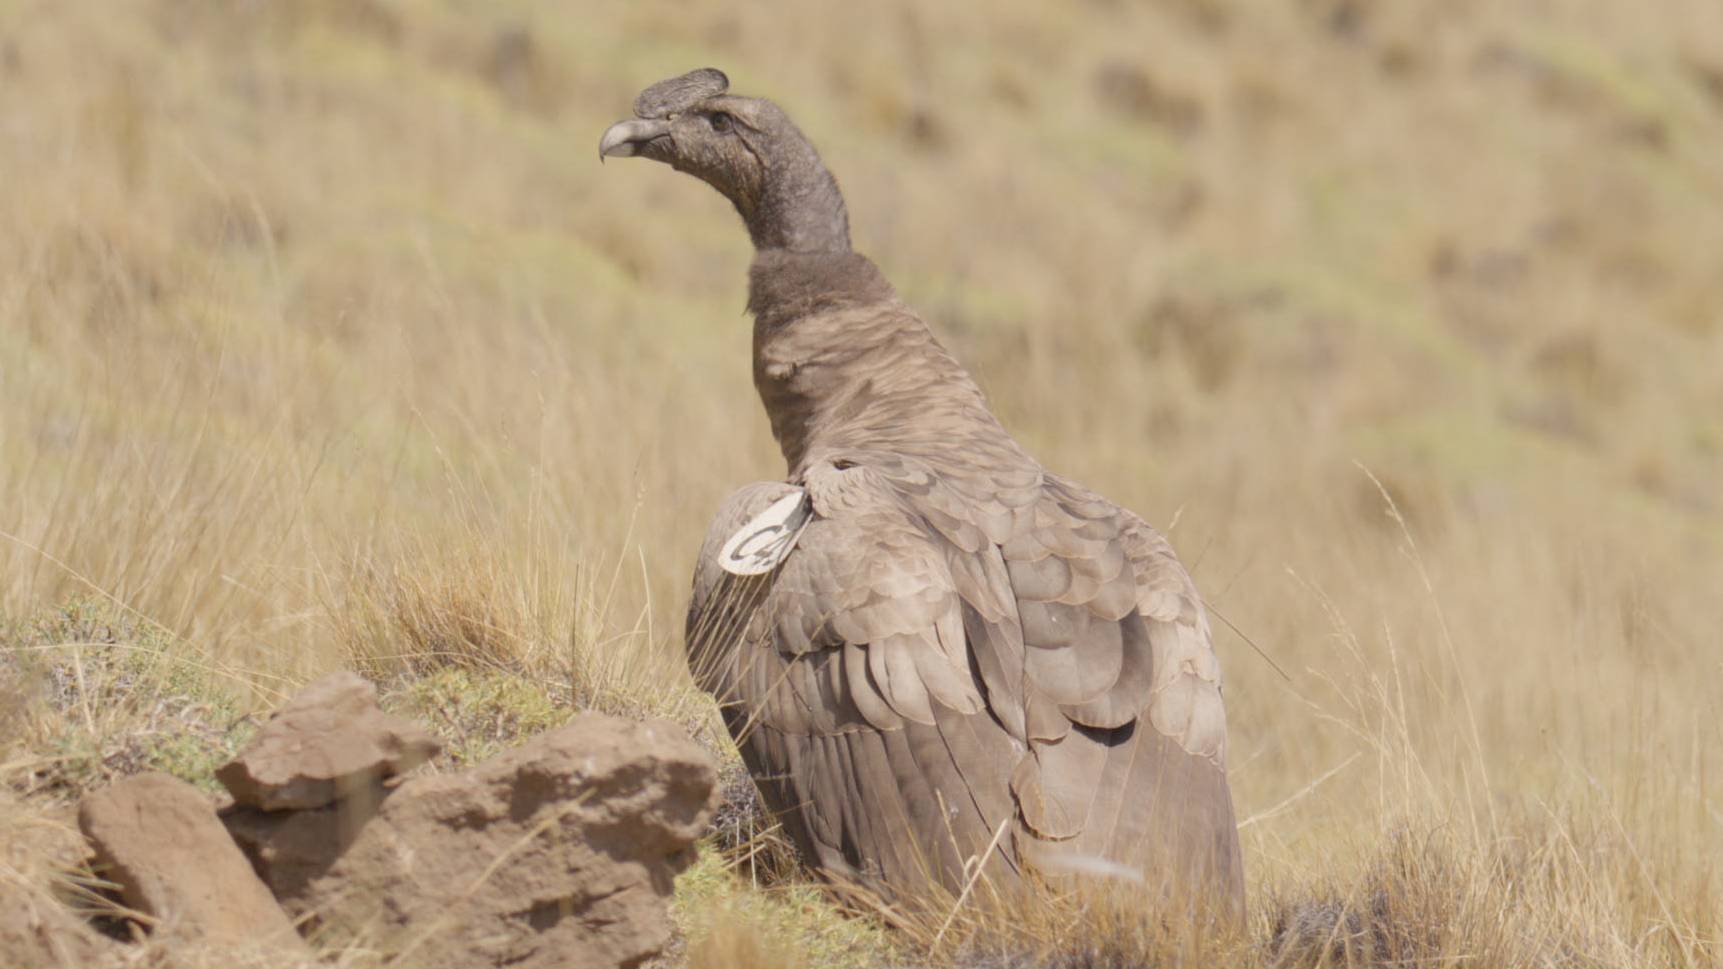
(626, 138)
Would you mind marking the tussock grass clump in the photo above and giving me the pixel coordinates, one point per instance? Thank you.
(1546, 892)
(730, 916)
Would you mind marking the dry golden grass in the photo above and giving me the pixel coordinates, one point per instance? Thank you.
(324, 341)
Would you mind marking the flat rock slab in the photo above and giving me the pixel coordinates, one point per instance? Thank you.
(158, 838)
(331, 741)
(560, 852)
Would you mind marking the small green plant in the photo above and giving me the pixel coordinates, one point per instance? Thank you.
(480, 712)
(96, 694)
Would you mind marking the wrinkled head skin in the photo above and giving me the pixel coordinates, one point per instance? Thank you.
(747, 149)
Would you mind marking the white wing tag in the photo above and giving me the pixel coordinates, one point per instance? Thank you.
(767, 538)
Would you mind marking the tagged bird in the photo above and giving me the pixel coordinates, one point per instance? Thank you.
(937, 657)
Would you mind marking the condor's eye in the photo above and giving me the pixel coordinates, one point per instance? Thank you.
(719, 121)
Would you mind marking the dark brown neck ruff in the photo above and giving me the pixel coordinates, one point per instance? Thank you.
(842, 364)
(785, 285)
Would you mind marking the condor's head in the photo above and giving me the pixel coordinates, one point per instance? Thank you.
(747, 149)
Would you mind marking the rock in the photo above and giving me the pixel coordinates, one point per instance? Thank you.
(560, 852)
(331, 741)
(158, 838)
(288, 849)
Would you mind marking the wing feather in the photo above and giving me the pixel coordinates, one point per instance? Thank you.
(892, 661)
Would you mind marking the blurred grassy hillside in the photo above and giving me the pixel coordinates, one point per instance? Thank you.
(326, 341)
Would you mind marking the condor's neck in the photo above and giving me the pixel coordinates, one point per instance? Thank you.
(841, 363)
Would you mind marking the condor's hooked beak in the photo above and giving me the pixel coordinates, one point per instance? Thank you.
(628, 138)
